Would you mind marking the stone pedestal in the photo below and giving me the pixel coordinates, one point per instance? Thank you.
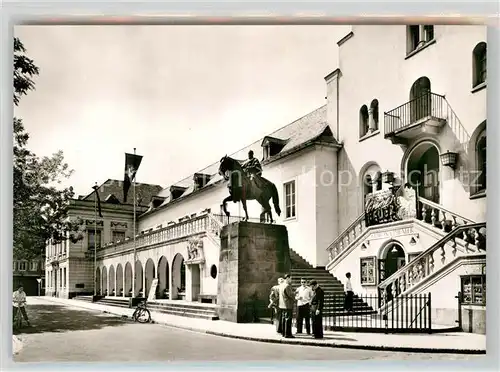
(252, 258)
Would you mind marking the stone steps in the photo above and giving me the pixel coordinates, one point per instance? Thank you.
(334, 289)
(181, 308)
(190, 311)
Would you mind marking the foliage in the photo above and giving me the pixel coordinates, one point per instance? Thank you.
(40, 208)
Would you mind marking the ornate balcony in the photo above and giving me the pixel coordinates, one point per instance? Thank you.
(428, 113)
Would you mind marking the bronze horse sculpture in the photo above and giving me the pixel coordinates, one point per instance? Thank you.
(242, 188)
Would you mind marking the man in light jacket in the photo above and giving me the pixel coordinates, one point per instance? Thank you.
(303, 295)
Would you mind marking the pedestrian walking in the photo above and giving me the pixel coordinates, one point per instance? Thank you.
(349, 294)
(317, 303)
(303, 295)
(286, 301)
(274, 298)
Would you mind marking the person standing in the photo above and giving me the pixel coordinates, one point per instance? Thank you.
(349, 294)
(303, 295)
(274, 298)
(286, 301)
(317, 304)
(18, 304)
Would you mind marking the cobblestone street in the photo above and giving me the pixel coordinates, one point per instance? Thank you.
(69, 334)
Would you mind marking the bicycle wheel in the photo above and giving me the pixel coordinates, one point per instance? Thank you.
(143, 316)
(18, 320)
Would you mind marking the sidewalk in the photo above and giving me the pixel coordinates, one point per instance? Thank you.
(17, 345)
(457, 342)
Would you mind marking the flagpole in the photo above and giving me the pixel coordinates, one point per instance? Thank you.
(95, 240)
(135, 278)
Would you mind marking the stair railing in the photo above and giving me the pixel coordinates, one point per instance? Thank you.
(471, 238)
(350, 234)
(436, 214)
(456, 126)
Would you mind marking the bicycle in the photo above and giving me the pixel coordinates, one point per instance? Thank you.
(141, 313)
(18, 318)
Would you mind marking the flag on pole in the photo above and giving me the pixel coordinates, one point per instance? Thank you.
(132, 163)
(98, 199)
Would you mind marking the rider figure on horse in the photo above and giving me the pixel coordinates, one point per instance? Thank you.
(253, 169)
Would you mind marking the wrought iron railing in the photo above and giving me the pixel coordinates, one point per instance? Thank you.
(427, 105)
(413, 314)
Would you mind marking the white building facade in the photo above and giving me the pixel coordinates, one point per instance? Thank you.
(407, 105)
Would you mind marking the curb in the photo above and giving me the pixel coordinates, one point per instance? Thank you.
(311, 343)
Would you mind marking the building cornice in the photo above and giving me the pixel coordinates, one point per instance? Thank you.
(85, 205)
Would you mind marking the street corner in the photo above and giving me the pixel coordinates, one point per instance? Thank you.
(17, 344)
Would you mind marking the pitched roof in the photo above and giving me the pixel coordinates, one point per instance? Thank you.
(144, 192)
(295, 134)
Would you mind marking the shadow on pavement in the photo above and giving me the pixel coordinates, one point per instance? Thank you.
(56, 318)
(326, 337)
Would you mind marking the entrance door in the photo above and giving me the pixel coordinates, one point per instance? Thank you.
(55, 282)
(195, 281)
(420, 99)
(393, 261)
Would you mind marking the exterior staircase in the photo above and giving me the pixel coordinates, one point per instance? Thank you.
(334, 289)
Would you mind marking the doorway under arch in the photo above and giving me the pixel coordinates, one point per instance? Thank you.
(423, 171)
(178, 275)
(112, 281)
(104, 285)
(163, 282)
(392, 257)
(127, 289)
(420, 99)
(119, 280)
(98, 281)
(149, 275)
(138, 278)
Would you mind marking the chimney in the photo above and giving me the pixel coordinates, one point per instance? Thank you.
(332, 102)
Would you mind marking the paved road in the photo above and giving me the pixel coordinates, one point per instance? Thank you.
(71, 334)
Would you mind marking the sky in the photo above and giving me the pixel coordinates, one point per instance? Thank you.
(184, 96)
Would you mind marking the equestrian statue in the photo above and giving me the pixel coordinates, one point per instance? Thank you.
(245, 182)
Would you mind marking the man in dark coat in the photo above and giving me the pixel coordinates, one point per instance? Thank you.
(286, 301)
(317, 303)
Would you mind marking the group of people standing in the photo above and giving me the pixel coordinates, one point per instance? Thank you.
(310, 302)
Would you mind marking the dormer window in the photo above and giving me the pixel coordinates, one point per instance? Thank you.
(111, 198)
(272, 146)
(200, 180)
(177, 191)
(156, 201)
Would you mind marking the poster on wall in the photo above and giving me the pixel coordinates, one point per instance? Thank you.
(152, 291)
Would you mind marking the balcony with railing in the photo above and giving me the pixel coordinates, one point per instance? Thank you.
(426, 113)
